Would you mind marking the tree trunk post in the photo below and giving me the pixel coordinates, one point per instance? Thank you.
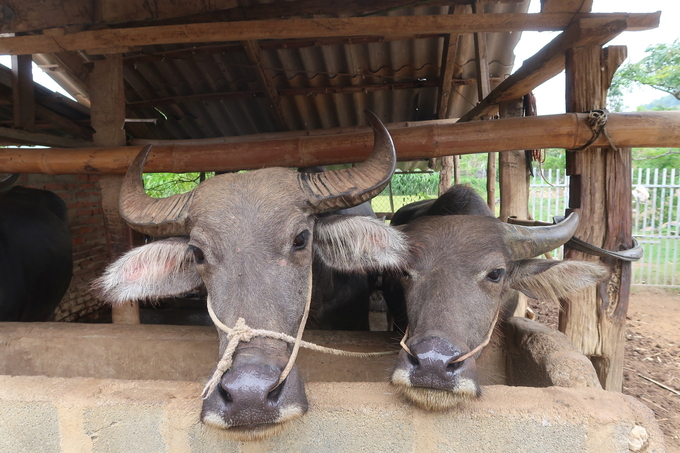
(108, 118)
(514, 183)
(600, 190)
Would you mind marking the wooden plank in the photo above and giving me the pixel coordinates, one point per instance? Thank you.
(29, 15)
(310, 28)
(23, 93)
(600, 185)
(62, 123)
(254, 54)
(566, 6)
(638, 129)
(108, 117)
(547, 63)
(18, 136)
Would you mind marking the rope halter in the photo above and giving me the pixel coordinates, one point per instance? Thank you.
(242, 332)
(479, 347)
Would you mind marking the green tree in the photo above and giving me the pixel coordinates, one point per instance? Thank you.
(161, 185)
(659, 69)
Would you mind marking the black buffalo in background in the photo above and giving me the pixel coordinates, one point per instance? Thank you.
(36, 262)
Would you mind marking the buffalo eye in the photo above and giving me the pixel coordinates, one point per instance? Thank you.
(199, 258)
(495, 275)
(300, 240)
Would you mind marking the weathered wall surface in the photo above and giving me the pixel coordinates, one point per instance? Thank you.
(89, 415)
(82, 196)
(188, 353)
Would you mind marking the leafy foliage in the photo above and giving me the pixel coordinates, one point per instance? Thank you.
(659, 69)
(415, 184)
(161, 185)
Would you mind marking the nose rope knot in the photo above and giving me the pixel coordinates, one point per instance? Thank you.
(242, 332)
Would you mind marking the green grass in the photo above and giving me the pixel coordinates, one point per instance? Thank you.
(658, 265)
(381, 203)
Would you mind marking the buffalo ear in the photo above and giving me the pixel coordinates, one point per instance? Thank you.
(159, 269)
(552, 279)
(357, 244)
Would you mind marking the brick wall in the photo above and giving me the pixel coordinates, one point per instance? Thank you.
(82, 196)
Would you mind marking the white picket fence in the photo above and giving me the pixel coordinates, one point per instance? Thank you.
(656, 218)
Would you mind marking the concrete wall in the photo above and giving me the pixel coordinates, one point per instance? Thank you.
(72, 413)
(90, 415)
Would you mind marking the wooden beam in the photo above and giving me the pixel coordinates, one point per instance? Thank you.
(254, 54)
(23, 93)
(547, 63)
(30, 15)
(639, 129)
(309, 28)
(39, 139)
(566, 6)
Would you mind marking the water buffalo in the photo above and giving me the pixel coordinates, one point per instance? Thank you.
(340, 300)
(250, 238)
(36, 262)
(464, 271)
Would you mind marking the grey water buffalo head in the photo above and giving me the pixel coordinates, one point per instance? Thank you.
(464, 274)
(250, 239)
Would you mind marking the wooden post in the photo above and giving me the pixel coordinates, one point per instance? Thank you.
(483, 90)
(23, 94)
(514, 183)
(450, 164)
(600, 190)
(514, 175)
(108, 119)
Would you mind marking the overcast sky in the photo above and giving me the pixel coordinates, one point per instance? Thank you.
(550, 95)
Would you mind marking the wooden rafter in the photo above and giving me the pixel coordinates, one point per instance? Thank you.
(100, 40)
(254, 54)
(450, 164)
(448, 67)
(36, 138)
(23, 93)
(429, 83)
(547, 63)
(45, 113)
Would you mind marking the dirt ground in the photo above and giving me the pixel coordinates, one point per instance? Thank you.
(652, 351)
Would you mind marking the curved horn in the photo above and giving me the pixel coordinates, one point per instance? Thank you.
(340, 189)
(7, 183)
(159, 217)
(527, 242)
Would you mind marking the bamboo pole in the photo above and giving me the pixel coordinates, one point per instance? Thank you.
(638, 129)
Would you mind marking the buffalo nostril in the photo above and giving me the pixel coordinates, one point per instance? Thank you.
(413, 360)
(226, 396)
(453, 366)
(276, 392)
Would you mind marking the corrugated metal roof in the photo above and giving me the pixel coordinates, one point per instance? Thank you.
(397, 79)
